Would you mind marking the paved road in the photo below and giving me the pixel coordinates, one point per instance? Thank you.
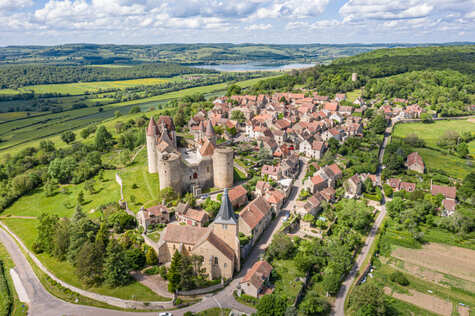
(350, 278)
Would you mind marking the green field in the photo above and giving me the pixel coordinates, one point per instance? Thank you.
(431, 133)
(82, 87)
(434, 156)
(63, 203)
(288, 273)
(26, 228)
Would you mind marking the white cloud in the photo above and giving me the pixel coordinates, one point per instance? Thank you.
(14, 4)
(258, 27)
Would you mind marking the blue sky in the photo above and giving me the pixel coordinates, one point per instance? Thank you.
(50, 22)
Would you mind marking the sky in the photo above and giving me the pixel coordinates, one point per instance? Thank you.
(52, 22)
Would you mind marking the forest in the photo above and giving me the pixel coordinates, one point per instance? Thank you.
(16, 76)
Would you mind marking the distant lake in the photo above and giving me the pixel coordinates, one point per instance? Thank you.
(254, 67)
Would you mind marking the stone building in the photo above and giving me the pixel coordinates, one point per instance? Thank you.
(256, 279)
(415, 162)
(158, 214)
(184, 169)
(218, 243)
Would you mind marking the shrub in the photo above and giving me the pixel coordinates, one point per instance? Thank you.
(152, 271)
(399, 278)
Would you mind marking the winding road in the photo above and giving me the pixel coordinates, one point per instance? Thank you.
(339, 309)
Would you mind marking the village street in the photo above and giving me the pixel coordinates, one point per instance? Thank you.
(339, 309)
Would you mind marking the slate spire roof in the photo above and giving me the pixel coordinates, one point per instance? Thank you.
(210, 130)
(226, 213)
(152, 128)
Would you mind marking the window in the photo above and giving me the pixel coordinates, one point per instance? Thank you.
(225, 265)
(225, 227)
(195, 175)
(215, 260)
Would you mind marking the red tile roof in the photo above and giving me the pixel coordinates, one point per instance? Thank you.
(236, 192)
(448, 192)
(256, 275)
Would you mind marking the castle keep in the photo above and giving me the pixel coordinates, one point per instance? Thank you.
(202, 165)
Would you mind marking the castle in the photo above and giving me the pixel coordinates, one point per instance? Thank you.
(188, 170)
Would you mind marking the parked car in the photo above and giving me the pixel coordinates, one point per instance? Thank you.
(165, 314)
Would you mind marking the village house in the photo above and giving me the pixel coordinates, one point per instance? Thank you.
(450, 193)
(238, 196)
(273, 172)
(262, 187)
(256, 279)
(412, 112)
(154, 215)
(315, 150)
(340, 97)
(353, 186)
(415, 162)
(254, 218)
(276, 199)
(316, 183)
(185, 214)
(290, 167)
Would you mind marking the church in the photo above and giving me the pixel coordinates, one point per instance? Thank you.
(218, 243)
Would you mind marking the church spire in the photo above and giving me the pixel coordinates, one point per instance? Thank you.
(226, 213)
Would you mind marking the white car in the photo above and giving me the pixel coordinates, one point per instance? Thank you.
(165, 314)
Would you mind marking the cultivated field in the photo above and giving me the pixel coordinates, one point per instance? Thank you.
(428, 302)
(456, 261)
(441, 279)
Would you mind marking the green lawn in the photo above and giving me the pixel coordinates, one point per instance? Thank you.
(434, 156)
(288, 273)
(18, 309)
(26, 230)
(352, 95)
(215, 311)
(431, 133)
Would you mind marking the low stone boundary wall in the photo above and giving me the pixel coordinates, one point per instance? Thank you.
(98, 297)
(204, 290)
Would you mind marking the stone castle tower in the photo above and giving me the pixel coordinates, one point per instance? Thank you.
(170, 171)
(226, 227)
(223, 167)
(182, 171)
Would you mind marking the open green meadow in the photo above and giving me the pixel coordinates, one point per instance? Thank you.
(64, 201)
(26, 228)
(431, 133)
(434, 156)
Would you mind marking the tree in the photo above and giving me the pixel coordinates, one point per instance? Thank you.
(174, 272)
(61, 239)
(89, 186)
(84, 133)
(233, 90)
(331, 281)
(462, 150)
(135, 109)
(47, 146)
(414, 140)
(89, 264)
(467, 189)
(179, 117)
(68, 137)
(426, 118)
(271, 305)
(368, 299)
(103, 140)
(135, 258)
(80, 199)
(314, 305)
(116, 268)
(46, 231)
(378, 124)
(151, 257)
(237, 116)
(82, 230)
(395, 207)
(167, 194)
(281, 247)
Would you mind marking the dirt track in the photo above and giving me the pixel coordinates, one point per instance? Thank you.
(451, 260)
